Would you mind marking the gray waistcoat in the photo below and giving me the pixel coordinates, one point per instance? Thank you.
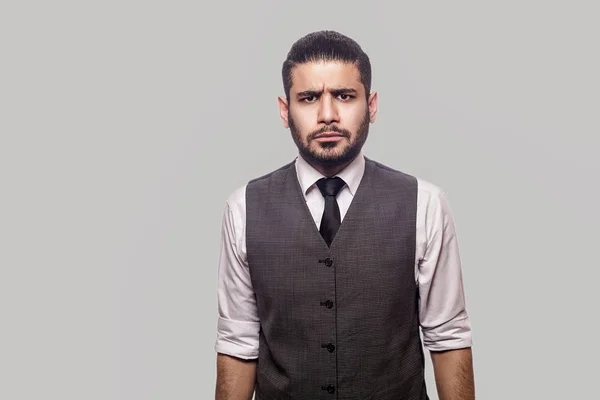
(340, 322)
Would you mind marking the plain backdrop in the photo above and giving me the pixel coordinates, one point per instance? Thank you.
(126, 124)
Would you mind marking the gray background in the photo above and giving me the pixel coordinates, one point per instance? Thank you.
(125, 125)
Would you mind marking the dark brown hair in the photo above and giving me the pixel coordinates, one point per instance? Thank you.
(326, 46)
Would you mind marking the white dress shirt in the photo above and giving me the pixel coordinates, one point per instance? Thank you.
(438, 273)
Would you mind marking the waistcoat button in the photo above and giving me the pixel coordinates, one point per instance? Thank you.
(327, 303)
(330, 347)
(328, 262)
(329, 388)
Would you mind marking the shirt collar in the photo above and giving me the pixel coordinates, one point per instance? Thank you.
(351, 174)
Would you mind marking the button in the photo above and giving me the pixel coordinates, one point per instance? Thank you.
(329, 388)
(329, 346)
(327, 303)
(328, 262)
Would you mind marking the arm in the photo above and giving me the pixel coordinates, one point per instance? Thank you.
(236, 378)
(443, 315)
(453, 371)
(238, 323)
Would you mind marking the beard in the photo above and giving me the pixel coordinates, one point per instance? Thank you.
(331, 153)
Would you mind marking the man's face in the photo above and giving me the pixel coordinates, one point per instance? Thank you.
(328, 112)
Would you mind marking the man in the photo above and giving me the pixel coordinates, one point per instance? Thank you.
(333, 264)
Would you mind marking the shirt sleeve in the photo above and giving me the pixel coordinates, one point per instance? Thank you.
(238, 324)
(442, 308)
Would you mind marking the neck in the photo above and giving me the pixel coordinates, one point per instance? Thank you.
(328, 170)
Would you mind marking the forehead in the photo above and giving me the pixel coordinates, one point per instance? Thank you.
(316, 75)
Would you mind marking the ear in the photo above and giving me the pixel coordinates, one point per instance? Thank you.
(283, 110)
(373, 100)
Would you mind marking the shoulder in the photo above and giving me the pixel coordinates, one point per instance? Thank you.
(278, 173)
(428, 190)
(387, 175)
(389, 171)
(236, 200)
(433, 203)
(428, 193)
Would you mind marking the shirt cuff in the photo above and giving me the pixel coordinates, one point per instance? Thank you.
(237, 338)
(453, 335)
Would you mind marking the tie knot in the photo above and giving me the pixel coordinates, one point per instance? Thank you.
(330, 186)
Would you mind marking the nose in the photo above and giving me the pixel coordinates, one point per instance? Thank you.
(328, 112)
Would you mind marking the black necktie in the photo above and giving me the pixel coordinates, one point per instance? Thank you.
(331, 220)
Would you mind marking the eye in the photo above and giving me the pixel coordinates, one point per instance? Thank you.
(345, 97)
(309, 99)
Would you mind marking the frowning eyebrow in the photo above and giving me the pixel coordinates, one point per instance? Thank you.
(335, 92)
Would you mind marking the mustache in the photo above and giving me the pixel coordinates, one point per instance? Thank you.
(333, 128)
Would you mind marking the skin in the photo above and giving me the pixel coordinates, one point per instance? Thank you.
(328, 113)
(327, 99)
(236, 378)
(453, 370)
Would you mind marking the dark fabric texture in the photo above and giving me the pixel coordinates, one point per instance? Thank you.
(338, 322)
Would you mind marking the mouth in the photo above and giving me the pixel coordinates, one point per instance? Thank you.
(329, 137)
